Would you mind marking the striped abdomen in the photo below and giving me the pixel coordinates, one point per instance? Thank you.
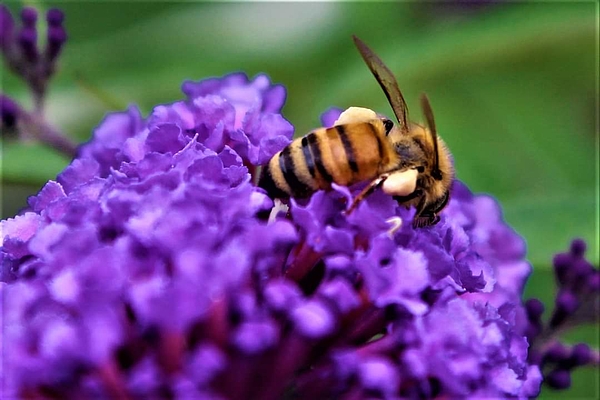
(344, 154)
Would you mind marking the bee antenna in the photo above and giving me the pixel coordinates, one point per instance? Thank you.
(436, 173)
(386, 80)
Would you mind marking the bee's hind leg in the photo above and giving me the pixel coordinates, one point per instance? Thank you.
(370, 188)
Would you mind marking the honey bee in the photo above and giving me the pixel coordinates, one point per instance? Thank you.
(406, 160)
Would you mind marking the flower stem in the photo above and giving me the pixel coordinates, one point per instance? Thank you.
(36, 126)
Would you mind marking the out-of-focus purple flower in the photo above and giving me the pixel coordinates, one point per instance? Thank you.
(22, 56)
(20, 49)
(29, 16)
(6, 28)
(148, 268)
(577, 302)
(57, 35)
(9, 112)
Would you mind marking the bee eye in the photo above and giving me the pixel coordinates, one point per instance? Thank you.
(388, 126)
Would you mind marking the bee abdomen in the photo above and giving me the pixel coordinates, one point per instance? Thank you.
(292, 162)
(291, 172)
(344, 154)
(268, 182)
(347, 143)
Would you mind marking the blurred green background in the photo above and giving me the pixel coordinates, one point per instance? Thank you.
(513, 87)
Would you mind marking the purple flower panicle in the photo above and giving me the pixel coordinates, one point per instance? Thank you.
(20, 49)
(577, 302)
(150, 267)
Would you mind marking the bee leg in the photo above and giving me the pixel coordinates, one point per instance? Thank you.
(424, 216)
(425, 220)
(375, 183)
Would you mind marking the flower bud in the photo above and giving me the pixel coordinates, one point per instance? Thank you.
(55, 17)
(581, 354)
(29, 17)
(535, 309)
(28, 43)
(578, 247)
(556, 354)
(57, 36)
(9, 111)
(561, 263)
(559, 379)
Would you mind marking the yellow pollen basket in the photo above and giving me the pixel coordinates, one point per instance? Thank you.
(355, 114)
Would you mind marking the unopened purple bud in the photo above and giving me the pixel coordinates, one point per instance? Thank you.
(556, 354)
(533, 330)
(581, 354)
(581, 272)
(28, 43)
(559, 379)
(578, 247)
(55, 17)
(535, 309)
(535, 357)
(566, 304)
(6, 27)
(57, 36)
(567, 301)
(9, 111)
(562, 262)
(29, 16)
(594, 281)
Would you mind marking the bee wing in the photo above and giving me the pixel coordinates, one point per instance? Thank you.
(387, 81)
(431, 123)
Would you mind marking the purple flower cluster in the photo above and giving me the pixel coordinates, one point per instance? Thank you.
(35, 67)
(150, 268)
(577, 303)
(20, 49)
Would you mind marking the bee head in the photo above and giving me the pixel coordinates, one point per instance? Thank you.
(437, 171)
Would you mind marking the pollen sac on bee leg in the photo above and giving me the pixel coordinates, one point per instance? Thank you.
(355, 114)
(401, 183)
